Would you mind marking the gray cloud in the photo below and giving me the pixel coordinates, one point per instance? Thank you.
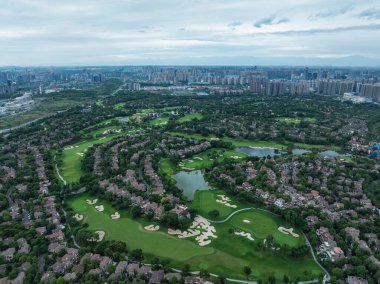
(371, 27)
(234, 24)
(142, 31)
(331, 13)
(270, 21)
(371, 14)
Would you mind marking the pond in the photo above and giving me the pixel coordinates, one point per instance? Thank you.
(259, 152)
(189, 182)
(331, 153)
(300, 151)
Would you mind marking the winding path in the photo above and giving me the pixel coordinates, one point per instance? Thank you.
(327, 276)
(59, 174)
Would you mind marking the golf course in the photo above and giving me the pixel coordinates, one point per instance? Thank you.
(241, 239)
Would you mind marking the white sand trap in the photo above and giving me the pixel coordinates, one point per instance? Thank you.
(115, 216)
(78, 217)
(100, 234)
(100, 208)
(245, 235)
(80, 154)
(246, 221)
(174, 232)
(69, 148)
(152, 228)
(200, 228)
(235, 157)
(225, 201)
(102, 138)
(288, 231)
(76, 146)
(91, 202)
(198, 158)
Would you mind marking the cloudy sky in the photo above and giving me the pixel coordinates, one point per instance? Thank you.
(120, 32)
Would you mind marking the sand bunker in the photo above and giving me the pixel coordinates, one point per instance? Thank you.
(225, 201)
(80, 154)
(100, 234)
(235, 157)
(78, 217)
(200, 228)
(91, 202)
(288, 231)
(246, 221)
(115, 216)
(245, 235)
(69, 148)
(198, 158)
(100, 208)
(152, 228)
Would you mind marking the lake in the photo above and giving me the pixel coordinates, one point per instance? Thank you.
(258, 152)
(189, 182)
(331, 153)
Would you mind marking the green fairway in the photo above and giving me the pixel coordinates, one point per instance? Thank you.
(206, 158)
(167, 167)
(190, 117)
(226, 255)
(235, 142)
(119, 106)
(291, 120)
(72, 156)
(133, 233)
(159, 121)
(205, 201)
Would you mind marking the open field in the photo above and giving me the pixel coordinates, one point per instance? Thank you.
(260, 144)
(167, 167)
(190, 117)
(159, 121)
(226, 255)
(292, 120)
(207, 158)
(133, 233)
(44, 108)
(205, 201)
(119, 106)
(71, 158)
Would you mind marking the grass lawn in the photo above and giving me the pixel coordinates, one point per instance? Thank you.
(72, 158)
(317, 147)
(294, 120)
(167, 167)
(206, 158)
(235, 142)
(159, 121)
(227, 255)
(205, 201)
(132, 232)
(190, 117)
(119, 106)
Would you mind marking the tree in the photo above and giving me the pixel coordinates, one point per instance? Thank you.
(137, 255)
(214, 213)
(285, 279)
(247, 271)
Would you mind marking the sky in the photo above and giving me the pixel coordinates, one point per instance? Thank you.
(189, 32)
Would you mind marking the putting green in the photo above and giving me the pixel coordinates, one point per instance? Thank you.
(190, 117)
(159, 121)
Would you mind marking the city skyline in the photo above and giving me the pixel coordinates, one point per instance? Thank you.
(343, 33)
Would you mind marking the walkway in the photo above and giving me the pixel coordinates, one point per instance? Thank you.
(59, 174)
(327, 276)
